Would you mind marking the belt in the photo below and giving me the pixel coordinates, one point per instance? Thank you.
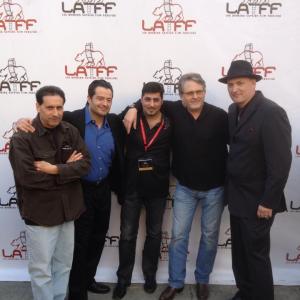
(94, 183)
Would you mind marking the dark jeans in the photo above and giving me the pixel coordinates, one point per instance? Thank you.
(130, 215)
(90, 233)
(251, 262)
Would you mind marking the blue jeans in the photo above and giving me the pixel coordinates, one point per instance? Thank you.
(185, 205)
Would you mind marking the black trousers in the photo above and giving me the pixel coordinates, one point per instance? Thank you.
(251, 262)
(90, 233)
(130, 215)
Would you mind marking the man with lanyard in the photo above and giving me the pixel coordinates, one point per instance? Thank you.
(199, 153)
(147, 183)
(103, 136)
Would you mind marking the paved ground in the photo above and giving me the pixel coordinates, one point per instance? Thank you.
(21, 291)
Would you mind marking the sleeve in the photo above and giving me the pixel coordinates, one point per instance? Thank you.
(22, 162)
(73, 171)
(276, 139)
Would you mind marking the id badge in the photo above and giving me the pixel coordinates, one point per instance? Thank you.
(145, 164)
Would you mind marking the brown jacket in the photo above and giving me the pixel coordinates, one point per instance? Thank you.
(49, 200)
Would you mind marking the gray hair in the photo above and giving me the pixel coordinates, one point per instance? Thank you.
(196, 77)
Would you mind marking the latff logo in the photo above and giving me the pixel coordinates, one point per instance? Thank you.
(14, 79)
(168, 19)
(6, 136)
(112, 241)
(164, 247)
(90, 8)
(12, 19)
(256, 59)
(294, 258)
(19, 248)
(90, 65)
(298, 151)
(11, 198)
(294, 206)
(225, 243)
(253, 8)
(169, 76)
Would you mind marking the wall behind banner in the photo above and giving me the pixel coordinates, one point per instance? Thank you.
(70, 43)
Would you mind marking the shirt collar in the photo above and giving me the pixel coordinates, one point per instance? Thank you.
(88, 118)
(41, 130)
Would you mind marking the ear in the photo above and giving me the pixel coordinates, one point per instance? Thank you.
(38, 107)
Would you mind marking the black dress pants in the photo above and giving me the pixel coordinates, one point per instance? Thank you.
(130, 215)
(90, 233)
(251, 262)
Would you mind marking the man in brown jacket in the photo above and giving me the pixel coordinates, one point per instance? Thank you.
(47, 166)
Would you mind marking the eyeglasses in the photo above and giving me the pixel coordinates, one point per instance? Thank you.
(192, 93)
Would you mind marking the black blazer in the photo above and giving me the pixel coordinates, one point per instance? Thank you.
(116, 174)
(259, 157)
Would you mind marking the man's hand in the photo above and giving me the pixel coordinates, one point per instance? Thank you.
(45, 167)
(129, 120)
(75, 156)
(24, 124)
(264, 212)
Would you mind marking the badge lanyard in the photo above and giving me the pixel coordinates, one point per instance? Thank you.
(146, 146)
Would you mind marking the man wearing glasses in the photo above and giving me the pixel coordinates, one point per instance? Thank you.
(199, 146)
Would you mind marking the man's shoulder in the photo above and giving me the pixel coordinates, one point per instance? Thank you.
(216, 110)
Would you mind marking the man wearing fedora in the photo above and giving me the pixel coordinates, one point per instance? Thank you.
(257, 170)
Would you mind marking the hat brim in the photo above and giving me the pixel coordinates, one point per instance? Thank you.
(226, 78)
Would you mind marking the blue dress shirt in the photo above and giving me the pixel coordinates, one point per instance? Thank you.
(100, 143)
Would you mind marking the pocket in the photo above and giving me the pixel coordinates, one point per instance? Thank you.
(48, 155)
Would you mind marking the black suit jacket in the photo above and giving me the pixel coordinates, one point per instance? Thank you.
(116, 174)
(259, 158)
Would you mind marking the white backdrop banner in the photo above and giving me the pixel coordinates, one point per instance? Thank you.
(70, 43)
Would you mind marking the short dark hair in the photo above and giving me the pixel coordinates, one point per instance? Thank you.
(99, 83)
(49, 90)
(153, 87)
(196, 77)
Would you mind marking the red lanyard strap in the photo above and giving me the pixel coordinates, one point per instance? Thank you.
(146, 146)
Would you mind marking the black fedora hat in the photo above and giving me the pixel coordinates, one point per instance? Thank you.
(240, 68)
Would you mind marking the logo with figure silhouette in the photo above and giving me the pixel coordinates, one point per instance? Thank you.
(14, 79)
(225, 239)
(18, 249)
(12, 18)
(6, 137)
(168, 17)
(253, 8)
(168, 74)
(11, 199)
(164, 246)
(90, 8)
(90, 63)
(257, 61)
(294, 257)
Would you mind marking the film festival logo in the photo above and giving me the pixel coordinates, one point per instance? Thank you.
(90, 64)
(12, 19)
(89, 8)
(168, 75)
(6, 136)
(226, 242)
(168, 18)
(294, 206)
(112, 241)
(256, 59)
(164, 246)
(294, 258)
(12, 200)
(18, 248)
(253, 8)
(14, 79)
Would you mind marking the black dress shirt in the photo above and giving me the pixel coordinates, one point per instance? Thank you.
(199, 145)
(153, 183)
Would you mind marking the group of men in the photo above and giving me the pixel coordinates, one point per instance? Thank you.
(68, 175)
